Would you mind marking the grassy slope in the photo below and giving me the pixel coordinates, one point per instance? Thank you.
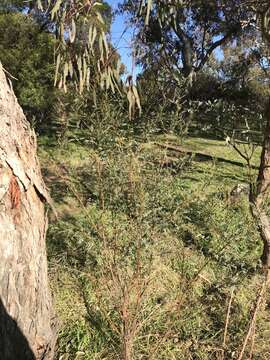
(216, 148)
(174, 224)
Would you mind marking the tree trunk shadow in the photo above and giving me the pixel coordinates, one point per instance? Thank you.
(13, 343)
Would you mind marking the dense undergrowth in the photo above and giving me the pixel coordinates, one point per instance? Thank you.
(146, 254)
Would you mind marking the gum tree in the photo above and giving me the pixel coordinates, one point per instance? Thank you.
(183, 34)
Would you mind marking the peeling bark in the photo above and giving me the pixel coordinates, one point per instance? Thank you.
(27, 320)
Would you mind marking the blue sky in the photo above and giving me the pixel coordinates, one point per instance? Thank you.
(122, 40)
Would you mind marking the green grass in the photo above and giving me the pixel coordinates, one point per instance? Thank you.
(215, 148)
(139, 245)
(219, 148)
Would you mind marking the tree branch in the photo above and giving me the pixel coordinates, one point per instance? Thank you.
(216, 44)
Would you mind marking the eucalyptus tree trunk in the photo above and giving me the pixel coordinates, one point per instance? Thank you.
(258, 194)
(27, 321)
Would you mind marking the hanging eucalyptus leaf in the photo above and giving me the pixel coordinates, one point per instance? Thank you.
(82, 44)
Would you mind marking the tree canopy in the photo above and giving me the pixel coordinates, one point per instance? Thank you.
(182, 35)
